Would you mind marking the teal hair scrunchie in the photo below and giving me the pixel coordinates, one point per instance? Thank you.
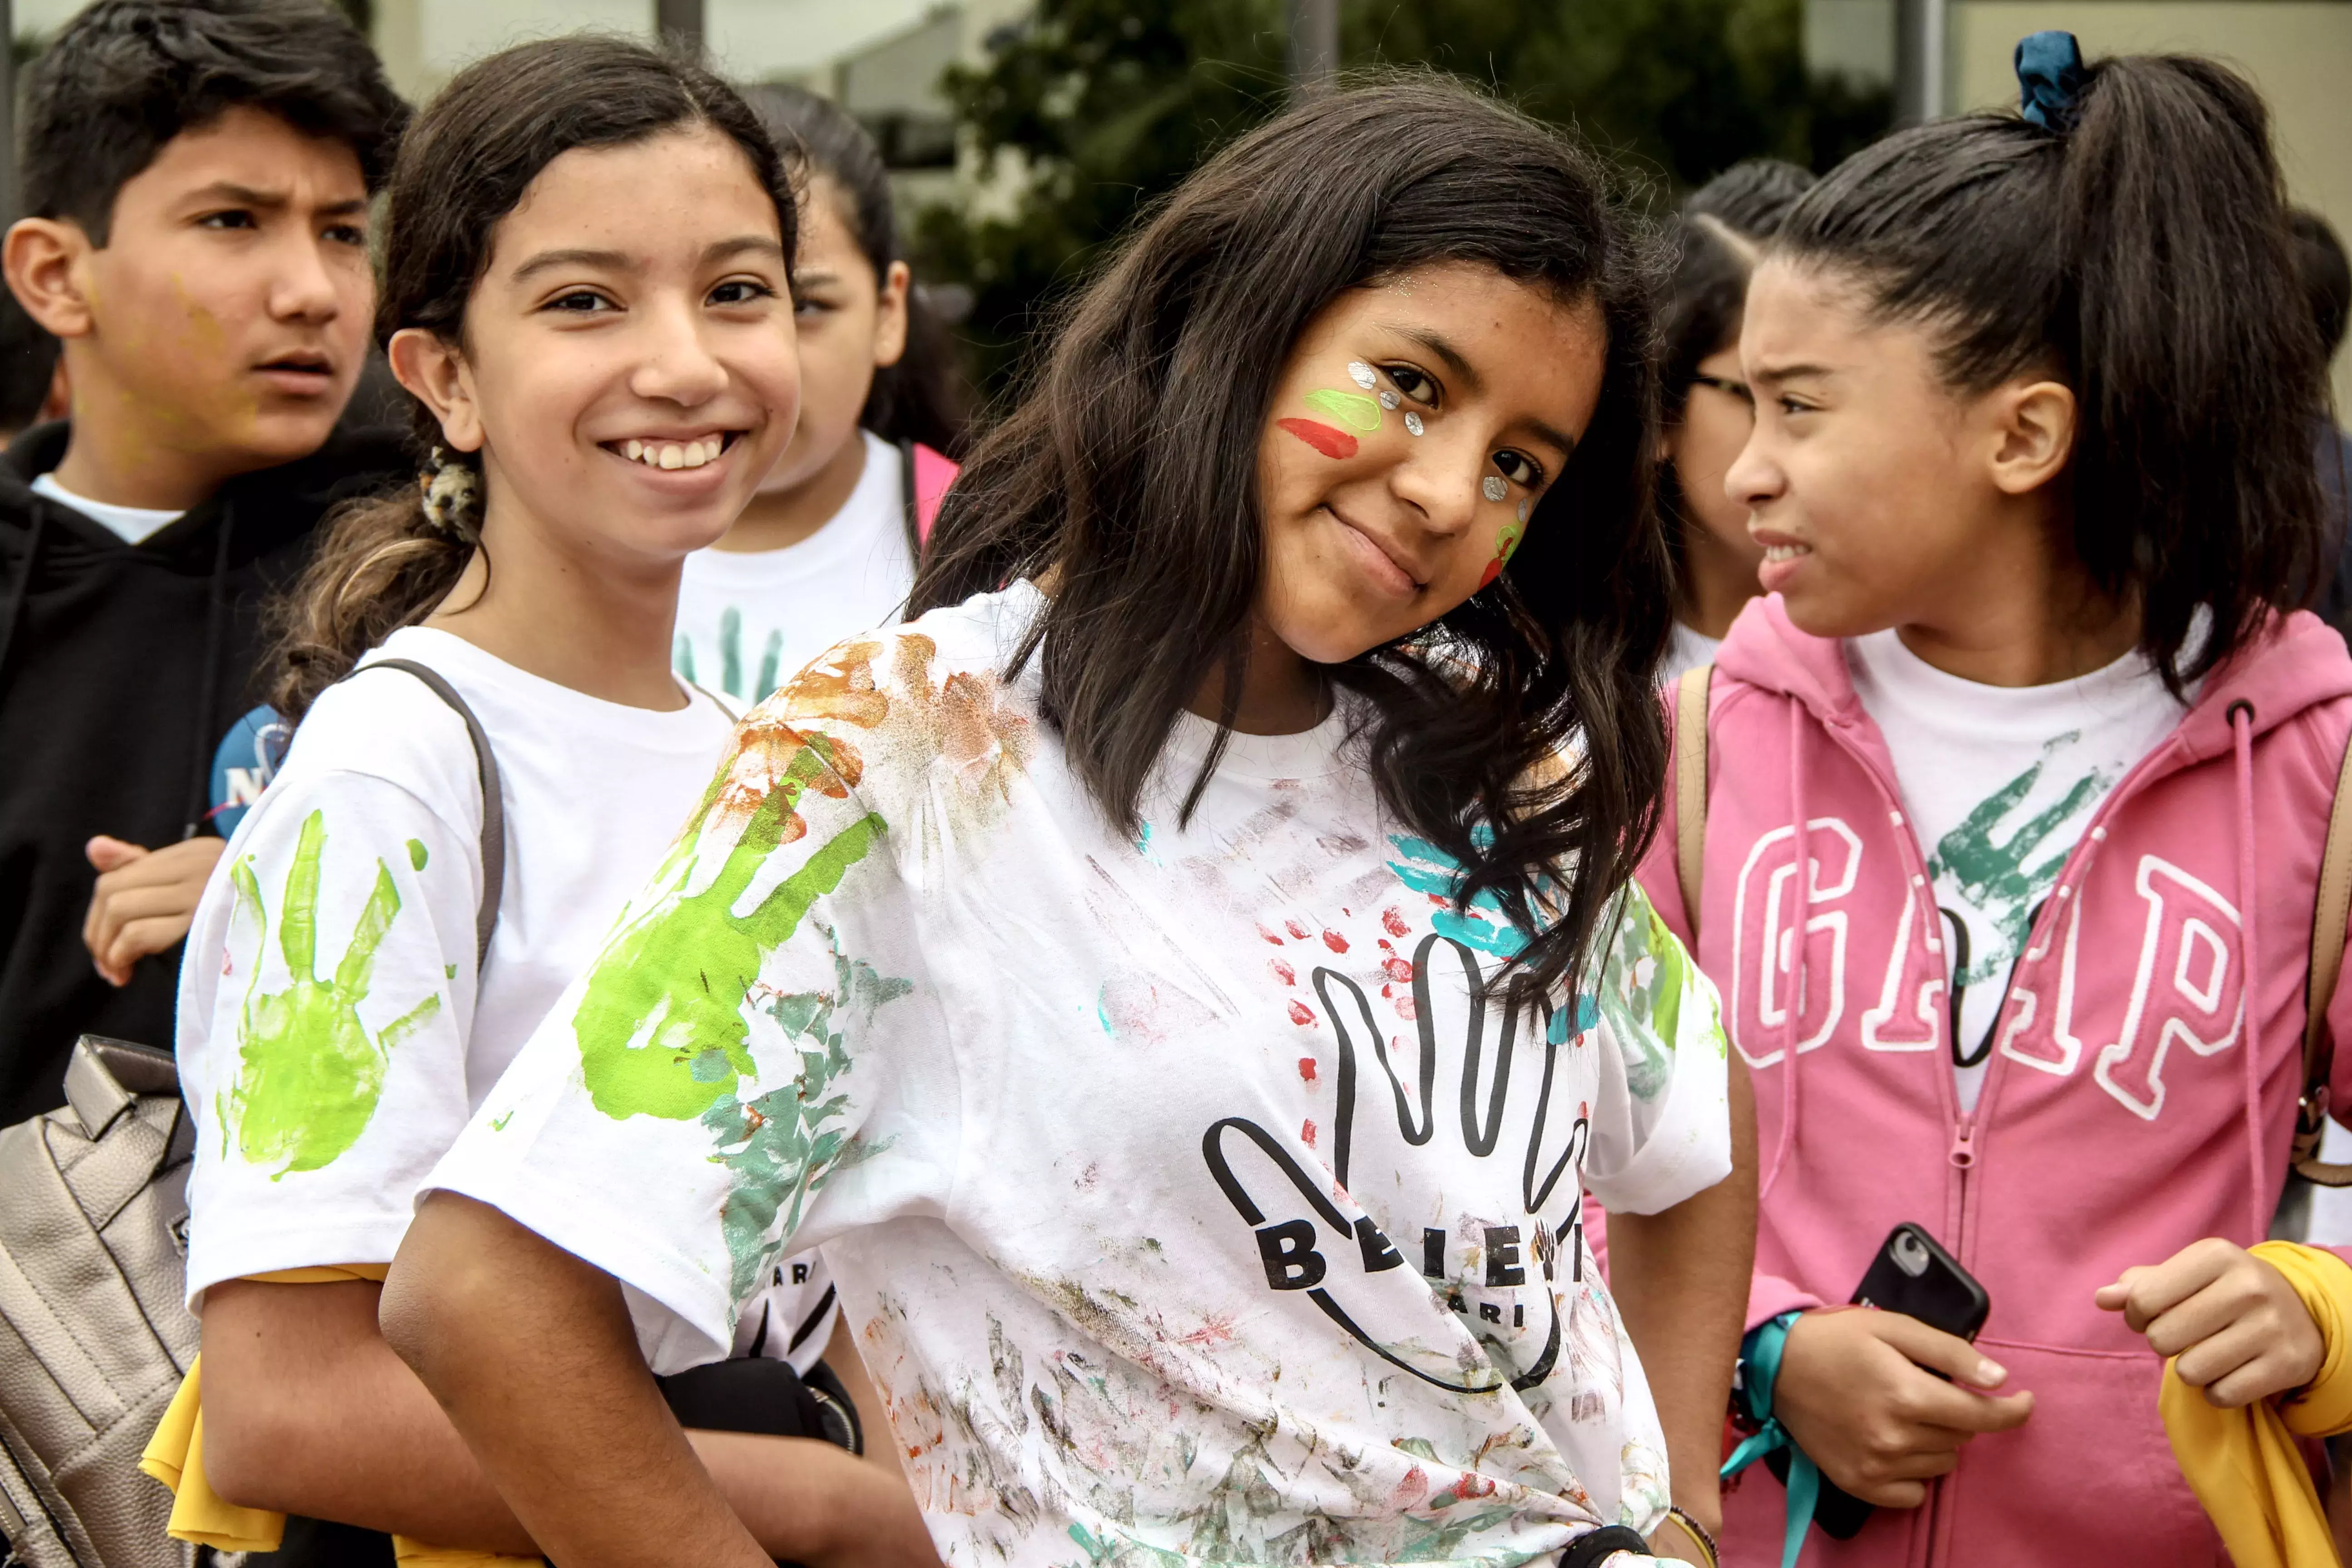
(2050, 79)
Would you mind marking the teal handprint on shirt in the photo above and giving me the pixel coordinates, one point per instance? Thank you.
(309, 1075)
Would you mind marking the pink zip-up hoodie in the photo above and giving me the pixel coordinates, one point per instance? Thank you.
(2133, 1102)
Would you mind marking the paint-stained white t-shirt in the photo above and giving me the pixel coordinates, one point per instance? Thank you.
(1191, 1198)
(2000, 782)
(333, 1032)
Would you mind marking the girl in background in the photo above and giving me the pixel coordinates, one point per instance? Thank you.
(2031, 472)
(587, 291)
(1051, 960)
(827, 546)
(1707, 410)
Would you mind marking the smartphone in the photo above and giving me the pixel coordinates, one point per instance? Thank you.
(1914, 1276)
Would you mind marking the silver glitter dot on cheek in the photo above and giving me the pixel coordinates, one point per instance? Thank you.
(1523, 511)
(1413, 423)
(1388, 399)
(1361, 373)
(1493, 488)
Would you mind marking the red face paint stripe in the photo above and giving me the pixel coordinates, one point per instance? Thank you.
(1322, 437)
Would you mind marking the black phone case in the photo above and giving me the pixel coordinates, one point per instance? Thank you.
(1942, 1295)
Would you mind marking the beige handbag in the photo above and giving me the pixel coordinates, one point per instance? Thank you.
(94, 1338)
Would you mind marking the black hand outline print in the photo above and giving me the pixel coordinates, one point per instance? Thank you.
(1379, 1254)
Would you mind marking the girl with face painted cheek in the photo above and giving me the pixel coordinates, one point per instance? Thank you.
(587, 291)
(2031, 471)
(827, 546)
(1707, 408)
(1184, 978)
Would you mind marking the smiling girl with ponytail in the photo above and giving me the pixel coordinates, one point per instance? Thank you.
(587, 292)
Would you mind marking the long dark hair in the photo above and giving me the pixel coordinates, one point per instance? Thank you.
(2138, 253)
(921, 397)
(463, 166)
(1155, 536)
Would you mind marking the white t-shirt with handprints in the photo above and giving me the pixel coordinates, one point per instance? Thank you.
(1190, 1199)
(333, 1034)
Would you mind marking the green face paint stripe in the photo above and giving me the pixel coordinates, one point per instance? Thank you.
(1352, 409)
(298, 922)
(416, 855)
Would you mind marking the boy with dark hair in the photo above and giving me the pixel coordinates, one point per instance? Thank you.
(198, 174)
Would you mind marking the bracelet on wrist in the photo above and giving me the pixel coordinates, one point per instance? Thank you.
(1700, 1537)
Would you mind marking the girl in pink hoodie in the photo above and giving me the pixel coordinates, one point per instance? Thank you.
(2031, 468)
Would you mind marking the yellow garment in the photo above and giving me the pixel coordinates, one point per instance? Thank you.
(175, 1457)
(2244, 1465)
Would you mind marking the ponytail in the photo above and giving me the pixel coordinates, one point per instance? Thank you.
(2130, 239)
(385, 562)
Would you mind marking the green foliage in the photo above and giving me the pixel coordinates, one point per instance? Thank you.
(1087, 111)
(1095, 106)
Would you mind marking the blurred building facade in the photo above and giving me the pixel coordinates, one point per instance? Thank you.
(882, 59)
(2299, 52)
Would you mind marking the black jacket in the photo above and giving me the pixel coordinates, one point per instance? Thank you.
(121, 667)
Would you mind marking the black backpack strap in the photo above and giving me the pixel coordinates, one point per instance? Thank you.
(494, 809)
(909, 506)
(1599, 1545)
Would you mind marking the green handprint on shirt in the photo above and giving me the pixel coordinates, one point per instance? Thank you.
(661, 1028)
(309, 1075)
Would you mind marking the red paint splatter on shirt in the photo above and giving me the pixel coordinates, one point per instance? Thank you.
(1394, 922)
(1335, 942)
(1283, 972)
(1307, 1132)
(1399, 970)
(1307, 1069)
(1331, 443)
(1298, 928)
(1273, 937)
(1301, 1014)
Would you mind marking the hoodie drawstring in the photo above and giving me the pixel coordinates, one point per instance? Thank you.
(21, 590)
(200, 784)
(2242, 733)
(1792, 1000)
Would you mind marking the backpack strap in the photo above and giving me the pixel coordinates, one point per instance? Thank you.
(909, 504)
(1691, 693)
(494, 809)
(2328, 914)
